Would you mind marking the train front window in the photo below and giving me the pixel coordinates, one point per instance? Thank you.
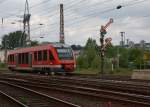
(64, 53)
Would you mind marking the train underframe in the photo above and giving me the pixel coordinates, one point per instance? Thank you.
(49, 70)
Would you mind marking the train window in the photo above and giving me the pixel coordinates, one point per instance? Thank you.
(39, 55)
(19, 59)
(64, 53)
(22, 55)
(45, 55)
(35, 56)
(9, 58)
(51, 56)
(12, 58)
(26, 58)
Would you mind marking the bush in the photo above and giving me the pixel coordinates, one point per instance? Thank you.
(3, 65)
(121, 71)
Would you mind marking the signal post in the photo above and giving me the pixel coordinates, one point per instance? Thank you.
(107, 41)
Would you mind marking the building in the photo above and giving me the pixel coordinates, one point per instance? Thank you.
(2, 56)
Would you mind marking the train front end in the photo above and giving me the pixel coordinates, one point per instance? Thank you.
(66, 57)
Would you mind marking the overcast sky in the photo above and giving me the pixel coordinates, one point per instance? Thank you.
(83, 19)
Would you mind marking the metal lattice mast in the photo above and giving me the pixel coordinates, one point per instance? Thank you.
(26, 26)
(62, 38)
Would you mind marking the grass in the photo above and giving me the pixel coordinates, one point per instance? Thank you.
(3, 65)
(23, 100)
(120, 71)
(86, 71)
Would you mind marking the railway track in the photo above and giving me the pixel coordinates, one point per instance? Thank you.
(133, 99)
(122, 86)
(126, 92)
(89, 76)
(31, 98)
(8, 101)
(116, 85)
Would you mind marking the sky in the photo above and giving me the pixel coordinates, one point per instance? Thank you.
(82, 19)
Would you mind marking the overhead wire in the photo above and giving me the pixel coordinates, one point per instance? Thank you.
(101, 12)
(108, 11)
(105, 11)
(91, 12)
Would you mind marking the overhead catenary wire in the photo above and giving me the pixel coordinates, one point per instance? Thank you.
(2, 1)
(51, 15)
(86, 17)
(73, 21)
(101, 12)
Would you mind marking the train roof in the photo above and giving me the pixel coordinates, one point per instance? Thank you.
(39, 47)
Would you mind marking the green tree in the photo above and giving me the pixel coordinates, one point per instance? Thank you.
(123, 59)
(12, 40)
(135, 55)
(111, 51)
(96, 62)
(34, 43)
(89, 57)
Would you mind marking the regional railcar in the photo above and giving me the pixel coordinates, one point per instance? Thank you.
(54, 57)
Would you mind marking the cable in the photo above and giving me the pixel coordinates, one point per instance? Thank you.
(43, 2)
(138, 1)
(84, 19)
(96, 4)
(3, 1)
(15, 14)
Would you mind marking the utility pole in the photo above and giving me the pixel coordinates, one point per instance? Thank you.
(5, 52)
(62, 38)
(25, 40)
(122, 38)
(5, 43)
(127, 42)
(118, 56)
(102, 34)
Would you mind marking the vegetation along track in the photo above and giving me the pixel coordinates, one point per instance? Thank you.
(120, 97)
(32, 98)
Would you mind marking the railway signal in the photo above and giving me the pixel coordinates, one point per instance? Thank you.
(103, 32)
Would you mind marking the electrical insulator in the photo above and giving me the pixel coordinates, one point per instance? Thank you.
(119, 7)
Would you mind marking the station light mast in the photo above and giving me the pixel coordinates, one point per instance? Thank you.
(25, 39)
(62, 38)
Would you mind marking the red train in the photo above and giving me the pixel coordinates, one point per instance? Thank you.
(53, 57)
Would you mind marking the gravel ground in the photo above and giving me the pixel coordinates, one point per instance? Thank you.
(5, 103)
(84, 101)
